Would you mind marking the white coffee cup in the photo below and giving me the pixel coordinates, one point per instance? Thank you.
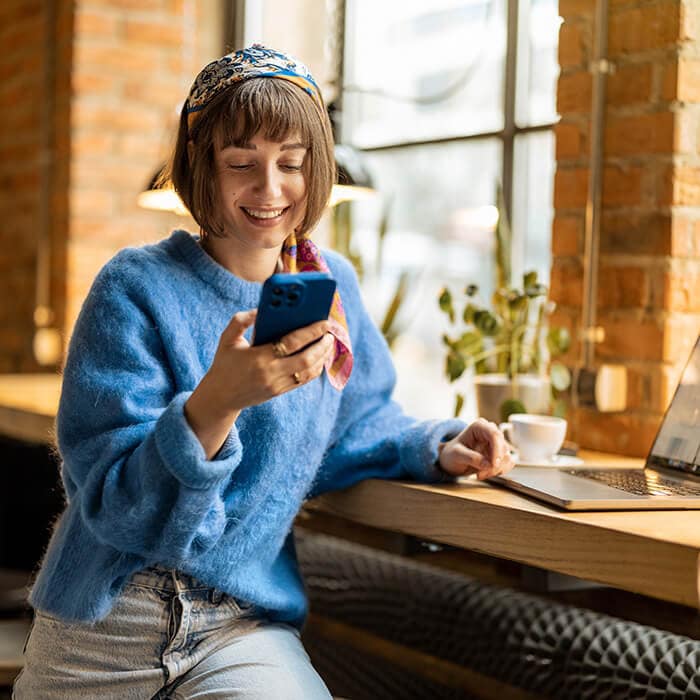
(537, 438)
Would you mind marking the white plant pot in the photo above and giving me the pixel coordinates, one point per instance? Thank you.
(493, 389)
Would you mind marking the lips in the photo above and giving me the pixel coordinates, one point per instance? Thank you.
(264, 214)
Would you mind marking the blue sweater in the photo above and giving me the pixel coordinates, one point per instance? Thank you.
(140, 490)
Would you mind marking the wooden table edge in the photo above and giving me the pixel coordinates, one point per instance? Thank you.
(27, 425)
(533, 535)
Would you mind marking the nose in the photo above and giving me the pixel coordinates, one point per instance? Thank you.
(269, 182)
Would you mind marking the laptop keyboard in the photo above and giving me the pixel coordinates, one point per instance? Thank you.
(637, 481)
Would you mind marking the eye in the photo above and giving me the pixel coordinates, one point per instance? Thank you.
(290, 167)
(239, 166)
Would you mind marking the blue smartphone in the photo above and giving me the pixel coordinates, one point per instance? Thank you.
(292, 300)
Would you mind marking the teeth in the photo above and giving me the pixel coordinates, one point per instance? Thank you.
(263, 213)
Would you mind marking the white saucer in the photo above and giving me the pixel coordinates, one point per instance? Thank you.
(556, 461)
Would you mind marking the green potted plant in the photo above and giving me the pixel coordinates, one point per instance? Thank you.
(509, 348)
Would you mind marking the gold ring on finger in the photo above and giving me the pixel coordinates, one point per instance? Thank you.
(279, 349)
(297, 378)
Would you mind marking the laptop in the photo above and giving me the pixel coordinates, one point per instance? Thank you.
(671, 474)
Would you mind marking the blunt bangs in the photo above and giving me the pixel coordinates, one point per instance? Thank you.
(274, 107)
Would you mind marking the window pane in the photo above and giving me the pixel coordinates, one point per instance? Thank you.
(440, 232)
(431, 184)
(538, 63)
(418, 49)
(533, 183)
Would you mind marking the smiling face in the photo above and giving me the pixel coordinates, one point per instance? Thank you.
(262, 189)
(279, 112)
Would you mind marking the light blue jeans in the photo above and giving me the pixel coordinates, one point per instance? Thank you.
(168, 637)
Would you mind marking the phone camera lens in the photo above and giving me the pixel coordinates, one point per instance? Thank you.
(292, 296)
(275, 303)
(294, 287)
(277, 291)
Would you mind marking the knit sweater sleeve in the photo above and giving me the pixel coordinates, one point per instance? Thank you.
(130, 461)
(373, 438)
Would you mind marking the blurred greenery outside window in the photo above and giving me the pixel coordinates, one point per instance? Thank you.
(445, 102)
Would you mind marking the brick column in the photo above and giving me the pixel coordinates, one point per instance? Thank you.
(34, 129)
(649, 278)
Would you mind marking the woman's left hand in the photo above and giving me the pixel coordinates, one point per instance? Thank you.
(479, 449)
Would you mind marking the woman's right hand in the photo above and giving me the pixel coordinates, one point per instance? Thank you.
(242, 375)
(246, 375)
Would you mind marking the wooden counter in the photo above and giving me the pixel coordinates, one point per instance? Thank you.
(655, 553)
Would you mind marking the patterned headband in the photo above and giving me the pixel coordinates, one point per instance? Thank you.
(257, 61)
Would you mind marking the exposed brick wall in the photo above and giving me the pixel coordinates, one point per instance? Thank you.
(649, 280)
(133, 63)
(117, 73)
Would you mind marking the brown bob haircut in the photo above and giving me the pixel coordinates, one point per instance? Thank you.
(277, 108)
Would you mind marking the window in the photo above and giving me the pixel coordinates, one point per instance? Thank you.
(446, 99)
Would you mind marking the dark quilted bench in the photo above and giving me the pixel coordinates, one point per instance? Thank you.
(545, 649)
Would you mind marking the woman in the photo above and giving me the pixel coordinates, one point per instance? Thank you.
(186, 453)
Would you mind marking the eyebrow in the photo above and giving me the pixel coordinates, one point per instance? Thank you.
(283, 147)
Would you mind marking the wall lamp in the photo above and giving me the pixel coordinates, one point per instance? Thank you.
(161, 196)
(354, 180)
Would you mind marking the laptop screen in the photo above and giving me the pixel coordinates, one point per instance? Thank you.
(677, 444)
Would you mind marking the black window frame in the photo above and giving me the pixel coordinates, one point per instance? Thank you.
(507, 135)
